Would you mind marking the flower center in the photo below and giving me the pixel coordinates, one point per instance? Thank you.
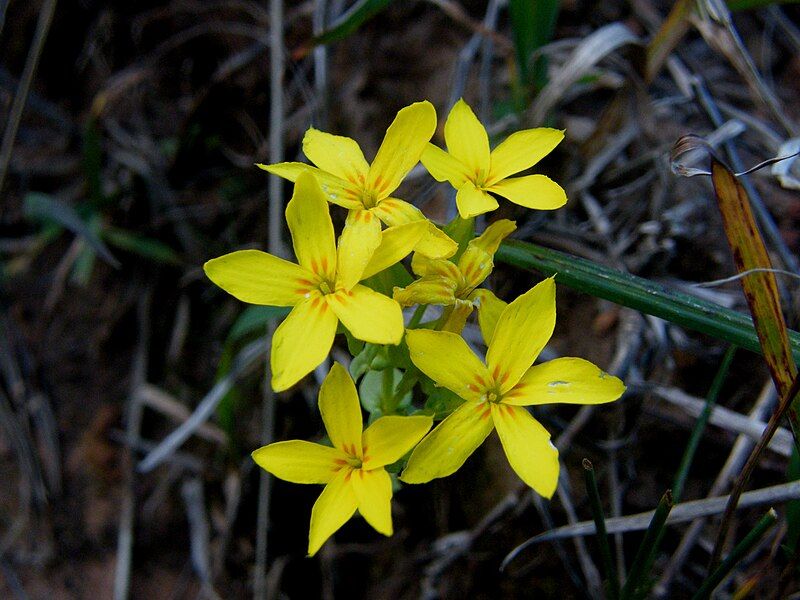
(493, 396)
(480, 178)
(325, 287)
(369, 198)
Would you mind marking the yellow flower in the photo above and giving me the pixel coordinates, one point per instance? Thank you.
(496, 392)
(474, 171)
(349, 181)
(353, 470)
(323, 288)
(453, 284)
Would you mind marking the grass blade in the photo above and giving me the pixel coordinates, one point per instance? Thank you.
(639, 294)
(637, 578)
(738, 553)
(349, 21)
(533, 24)
(602, 536)
(760, 287)
(700, 424)
(42, 207)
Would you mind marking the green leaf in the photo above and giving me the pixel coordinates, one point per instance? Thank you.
(533, 23)
(351, 20)
(461, 231)
(639, 294)
(143, 246)
(385, 281)
(377, 391)
(760, 286)
(254, 319)
(441, 401)
(46, 209)
(362, 361)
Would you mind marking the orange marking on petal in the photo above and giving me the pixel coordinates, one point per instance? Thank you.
(486, 414)
(305, 282)
(481, 381)
(315, 302)
(505, 377)
(325, 263)
(495, 372)
(472, 387)
(314, 266)
(348, 476)
(339, 461)
(367, 217)
(379, 183)
(364, 449)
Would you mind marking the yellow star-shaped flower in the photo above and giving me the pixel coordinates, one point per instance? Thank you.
(453, 284)
(323, 288)
(497, 391)
(353, 469)
(350, 181)
(474, 170)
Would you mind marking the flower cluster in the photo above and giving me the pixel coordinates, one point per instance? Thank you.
(358, 283)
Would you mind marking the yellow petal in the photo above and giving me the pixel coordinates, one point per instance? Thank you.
(522, 150)
(455, 316)
(428, 290)
(424, 266)
(360, 238)
(444, 166)
(566, 381)
(299, 461)
(287, 170)
(333, 508)
(373, 490)
(260, 278)
(472, 201)
(337, 190)
(532, 191)
(400, 150)
(475, 265)
(467, 140)
(368, 315)
(527, 447)
(302, 342)
(521, 332)
(495, 233)
(394, 211)
(477, 261)
(396, 243)
(388, 439)
(490, 307)
(435, 244)
(446, 358)
(336, 154)
(310, 224)
(341, 410)
(449, 445)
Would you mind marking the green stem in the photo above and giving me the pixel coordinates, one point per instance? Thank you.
(416, 318)
(602, 536)
(738, 553)
(639, 294)
(388, 398)
(647, 549)
(700, 425)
